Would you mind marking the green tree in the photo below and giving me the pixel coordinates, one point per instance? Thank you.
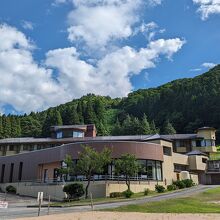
(30, 127)
(68, 169)
(53, 118)
(89, 115)
(1, 128)
(127, 126)
(79, 111)
(6, 122)
(153, 128)
(92, 162)
(168, 128)
(15, 127)
(70, 116)
(117, 128)
(128, 166)
(145, 125)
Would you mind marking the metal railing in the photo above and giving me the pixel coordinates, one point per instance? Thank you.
(95, 178)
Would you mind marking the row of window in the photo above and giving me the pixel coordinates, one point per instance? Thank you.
(17, 148)
(152, 170)
(74, 134)
(11, 172)
(194, 143)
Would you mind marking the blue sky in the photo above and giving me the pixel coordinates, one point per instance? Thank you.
(52, 51)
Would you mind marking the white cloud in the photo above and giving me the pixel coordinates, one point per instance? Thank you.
(195, 70)
(27, 25)
(149, 30)
(208, 7)
(102, 21)
(24, 84)
(110, 75)
(209, 65)
(202, 66)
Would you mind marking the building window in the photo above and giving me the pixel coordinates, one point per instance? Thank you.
(11, 173)
(78, 134)
(11, 148)
(198, 143)
(167, 151)
(159, 170)
(20, 171)
(59, 134)
(204, 160)
(151, 170)
(180, 167)
(25, 148)
(3, 173)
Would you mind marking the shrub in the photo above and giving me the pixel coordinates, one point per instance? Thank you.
(180, 184)
(128, 193)
(74, 191)
(146, 192)
(188, 183)
(116, 194)
(159, 188)
(11, 189)
(171, 187)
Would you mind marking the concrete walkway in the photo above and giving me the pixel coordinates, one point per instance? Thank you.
(17, 205)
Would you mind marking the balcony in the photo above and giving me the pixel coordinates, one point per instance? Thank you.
(207, 149)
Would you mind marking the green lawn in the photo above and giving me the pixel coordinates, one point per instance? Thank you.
(199, 203)
(101, 200)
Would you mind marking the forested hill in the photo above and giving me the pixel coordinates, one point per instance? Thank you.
(179, 106)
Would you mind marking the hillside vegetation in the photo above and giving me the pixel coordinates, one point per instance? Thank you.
(178, 106)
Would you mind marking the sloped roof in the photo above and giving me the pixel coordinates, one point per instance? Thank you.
(182, 136)
(196, 152)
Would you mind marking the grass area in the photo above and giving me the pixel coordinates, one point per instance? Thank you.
(199, 203)
(101, 200)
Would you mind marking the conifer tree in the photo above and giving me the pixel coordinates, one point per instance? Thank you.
(153, 128)
(127, 126)
(90, 116)
(168, 128)
(145, 126)
(79, 111)
(1, 128)
(117, 129)
(6, 126)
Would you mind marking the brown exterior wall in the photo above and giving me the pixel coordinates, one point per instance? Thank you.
(32, 160)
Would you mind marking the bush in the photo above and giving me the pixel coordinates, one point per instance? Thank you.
(74, 191)
(116, 194)
(171, 187)
(146, 192)
(159, 188)
(179, 184)
(11, 189)
(188, 183)
(128, 193)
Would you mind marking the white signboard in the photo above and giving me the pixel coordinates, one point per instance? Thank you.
(3, 205)
(40, 196)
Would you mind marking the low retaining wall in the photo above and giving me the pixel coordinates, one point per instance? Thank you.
(32, 189)
(98, 189)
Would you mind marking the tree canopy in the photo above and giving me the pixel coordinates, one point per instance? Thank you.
(186, 104)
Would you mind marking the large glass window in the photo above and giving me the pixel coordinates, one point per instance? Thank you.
(78, 134)
(59, 134)
(159, 170)
(167, 151)
(151, 170)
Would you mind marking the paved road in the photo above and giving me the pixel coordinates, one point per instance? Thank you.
(17, 205)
